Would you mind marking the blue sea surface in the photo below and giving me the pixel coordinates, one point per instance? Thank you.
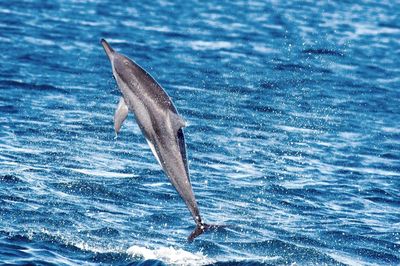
(293, 138)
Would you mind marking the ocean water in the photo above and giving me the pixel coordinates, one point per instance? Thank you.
(293, 137)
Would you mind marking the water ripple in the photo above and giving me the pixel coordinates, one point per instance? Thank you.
(293, 135)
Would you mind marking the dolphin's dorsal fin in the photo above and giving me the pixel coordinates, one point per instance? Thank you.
(177, 121)
(120, 115)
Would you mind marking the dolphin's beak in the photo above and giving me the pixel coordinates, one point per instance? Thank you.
(107, 48)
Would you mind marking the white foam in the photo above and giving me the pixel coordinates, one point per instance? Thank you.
(170, 255)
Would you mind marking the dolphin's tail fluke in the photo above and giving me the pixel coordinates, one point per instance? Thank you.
(201, 228)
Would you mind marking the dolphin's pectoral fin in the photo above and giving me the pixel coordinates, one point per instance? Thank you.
(177, 121)
(120, 115)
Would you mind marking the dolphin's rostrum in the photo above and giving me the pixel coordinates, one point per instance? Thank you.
(159, 122)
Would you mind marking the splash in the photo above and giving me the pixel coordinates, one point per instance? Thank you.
(170, 255)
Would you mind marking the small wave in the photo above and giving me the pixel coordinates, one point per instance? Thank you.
(9, 179)
(58, 237)
(345, 259)
(323, 52)
(170, 255)
(25, 85)
(208, 45)
(105, 174)
(39, 41)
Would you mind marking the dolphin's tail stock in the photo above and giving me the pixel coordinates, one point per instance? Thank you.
(201, 228)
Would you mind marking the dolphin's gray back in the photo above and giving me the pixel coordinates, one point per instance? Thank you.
(144, 83)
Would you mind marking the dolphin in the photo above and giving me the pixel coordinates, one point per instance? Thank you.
(160, 124)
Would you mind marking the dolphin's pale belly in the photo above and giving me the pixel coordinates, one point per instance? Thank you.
(154, 151)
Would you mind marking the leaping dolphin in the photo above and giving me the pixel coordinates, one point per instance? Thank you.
(160, 124)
